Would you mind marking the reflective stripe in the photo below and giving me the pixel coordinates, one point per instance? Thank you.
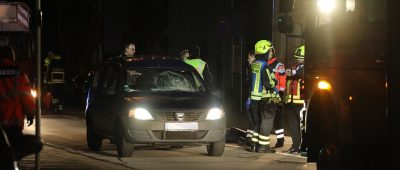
(249, 135)
(256, 86)
(261, 137)
(293, 88)
(254, 139)
(278, 131)
(263, 142)
(280, 136)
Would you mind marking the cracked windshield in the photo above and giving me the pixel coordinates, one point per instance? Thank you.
(153, 80)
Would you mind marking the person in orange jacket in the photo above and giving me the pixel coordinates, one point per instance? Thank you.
(16, 100)
(279, 70)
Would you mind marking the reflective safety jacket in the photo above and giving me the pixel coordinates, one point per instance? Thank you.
(260, 79)
(48, 60)
(198, 64)
(279, 70)
(16, 100)
(294, 85)
(272, 94)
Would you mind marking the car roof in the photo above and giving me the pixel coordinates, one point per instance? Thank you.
(155, 62)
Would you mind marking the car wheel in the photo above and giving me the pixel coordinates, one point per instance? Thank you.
(94, 140)
(216, 148)
(124, 148)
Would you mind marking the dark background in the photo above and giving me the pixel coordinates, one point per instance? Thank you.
(86, 32)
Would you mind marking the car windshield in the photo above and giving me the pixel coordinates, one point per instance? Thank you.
(164, 80)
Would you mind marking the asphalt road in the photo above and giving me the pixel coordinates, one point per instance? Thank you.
(66, 133)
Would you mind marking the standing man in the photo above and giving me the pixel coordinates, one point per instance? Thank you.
(278, 69)
(129, 52)
(263, 80)
(16, 101)
(293, 102)
(247, 84)
(200, 65)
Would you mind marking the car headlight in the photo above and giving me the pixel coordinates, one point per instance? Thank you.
(140, 113)
(214, 114)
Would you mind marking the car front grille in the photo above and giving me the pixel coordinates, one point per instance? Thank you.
(179, 135)
(180, 116)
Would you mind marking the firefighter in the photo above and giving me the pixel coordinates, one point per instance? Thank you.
(261, 110)
(16, 101)
(50, 58)
(293, 103)
(200, 65)
(278, 69)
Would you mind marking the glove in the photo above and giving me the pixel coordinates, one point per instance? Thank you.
(29, 120)
(248, 103)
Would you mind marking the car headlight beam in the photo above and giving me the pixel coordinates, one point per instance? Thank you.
(140, 114)
(214, 114)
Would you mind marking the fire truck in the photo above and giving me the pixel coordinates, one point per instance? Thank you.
(350, 55)
(15, 32)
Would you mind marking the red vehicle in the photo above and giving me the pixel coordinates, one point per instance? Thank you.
(15, 32)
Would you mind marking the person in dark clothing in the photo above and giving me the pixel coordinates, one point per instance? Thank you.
(247, 88)
(293, 103)
(200, 65)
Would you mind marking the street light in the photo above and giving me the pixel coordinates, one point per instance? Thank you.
(326, 6)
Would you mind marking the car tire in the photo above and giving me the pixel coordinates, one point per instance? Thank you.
(216, 148)
(94, 140)
(124, 148)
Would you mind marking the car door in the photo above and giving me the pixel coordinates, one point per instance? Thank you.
(109, 101)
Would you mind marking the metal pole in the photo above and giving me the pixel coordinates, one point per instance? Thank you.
(241, 73)
(38, 79)
(273, 22)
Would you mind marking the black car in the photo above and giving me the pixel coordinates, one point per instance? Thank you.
(153, 101)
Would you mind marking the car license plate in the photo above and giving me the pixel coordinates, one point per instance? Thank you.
(183, 126)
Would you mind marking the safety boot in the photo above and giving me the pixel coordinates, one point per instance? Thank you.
(279, 143)
(253, 147)
(265, 149)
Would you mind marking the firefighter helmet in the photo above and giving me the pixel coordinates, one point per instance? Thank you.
(299, 53)
(263, 46)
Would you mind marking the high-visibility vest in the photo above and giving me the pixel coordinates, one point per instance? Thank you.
(267, 94)
(256, 85)
(198, 64)
(47, 60)
(293, 92)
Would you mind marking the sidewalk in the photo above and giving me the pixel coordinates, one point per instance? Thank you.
(56, 158)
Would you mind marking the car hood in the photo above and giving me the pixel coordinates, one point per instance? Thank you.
(174, 102)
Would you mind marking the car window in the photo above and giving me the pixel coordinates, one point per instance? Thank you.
(110, 81)
(153, 80)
